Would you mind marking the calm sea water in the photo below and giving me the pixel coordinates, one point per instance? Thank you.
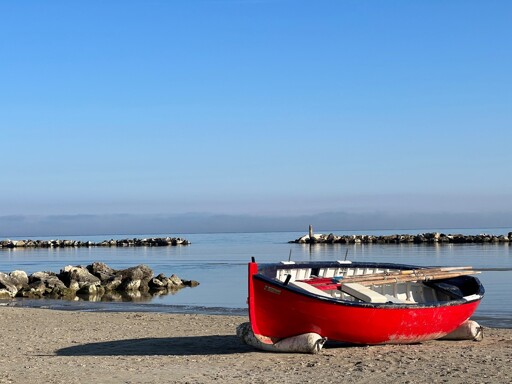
(219, 262)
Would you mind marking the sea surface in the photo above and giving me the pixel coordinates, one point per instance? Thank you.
(219, 262)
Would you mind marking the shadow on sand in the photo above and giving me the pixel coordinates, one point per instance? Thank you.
(178, 346)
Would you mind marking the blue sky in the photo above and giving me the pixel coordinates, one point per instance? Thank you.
(269, 108)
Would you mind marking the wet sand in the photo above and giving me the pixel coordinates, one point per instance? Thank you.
(50, 346)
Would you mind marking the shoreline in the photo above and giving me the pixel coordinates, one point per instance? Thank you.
(124, 307)
(127, 306)
(54, 346)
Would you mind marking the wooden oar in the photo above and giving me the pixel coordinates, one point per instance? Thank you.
(411, 272)
(443, 269)
(386, 279)
(416, 273)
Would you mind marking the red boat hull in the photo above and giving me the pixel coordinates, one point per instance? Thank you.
(278, 312)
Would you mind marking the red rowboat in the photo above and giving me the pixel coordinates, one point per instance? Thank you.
(360, 302)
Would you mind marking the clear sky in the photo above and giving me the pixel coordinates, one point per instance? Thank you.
(269, 107)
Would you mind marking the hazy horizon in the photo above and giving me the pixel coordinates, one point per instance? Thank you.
(137, 224)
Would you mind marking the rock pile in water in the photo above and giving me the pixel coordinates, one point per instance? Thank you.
(149, 242)
(94, 282)
(422, 238)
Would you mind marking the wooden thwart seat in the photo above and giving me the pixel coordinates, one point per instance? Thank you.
(309, 288)
(363, 293)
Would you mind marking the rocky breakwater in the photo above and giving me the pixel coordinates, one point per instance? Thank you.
(95, 282)
(421, 238)
(147, 242)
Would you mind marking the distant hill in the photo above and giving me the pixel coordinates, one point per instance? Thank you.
(32, 226)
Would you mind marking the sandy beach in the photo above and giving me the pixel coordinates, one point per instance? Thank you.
(49, 346)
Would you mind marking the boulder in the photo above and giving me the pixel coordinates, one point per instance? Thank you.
(131, 284)
(156, 283)
(8, 288)
(330, 238)
(190, 283)
(50, 279)
(174, 281)
(301, 240)
(76, 277)
(8, 244)
(135, 278)
(101, 271)
(113, 283)
(19, 279)
(35, 289)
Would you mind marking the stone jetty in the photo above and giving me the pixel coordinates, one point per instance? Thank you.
(146, 242)
(421, 238)
(95, 282)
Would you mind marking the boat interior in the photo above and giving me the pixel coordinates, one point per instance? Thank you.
(383, 283)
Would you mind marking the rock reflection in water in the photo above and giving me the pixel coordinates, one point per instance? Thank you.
(129, 296)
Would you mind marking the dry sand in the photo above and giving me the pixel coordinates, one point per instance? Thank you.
(48, 346)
